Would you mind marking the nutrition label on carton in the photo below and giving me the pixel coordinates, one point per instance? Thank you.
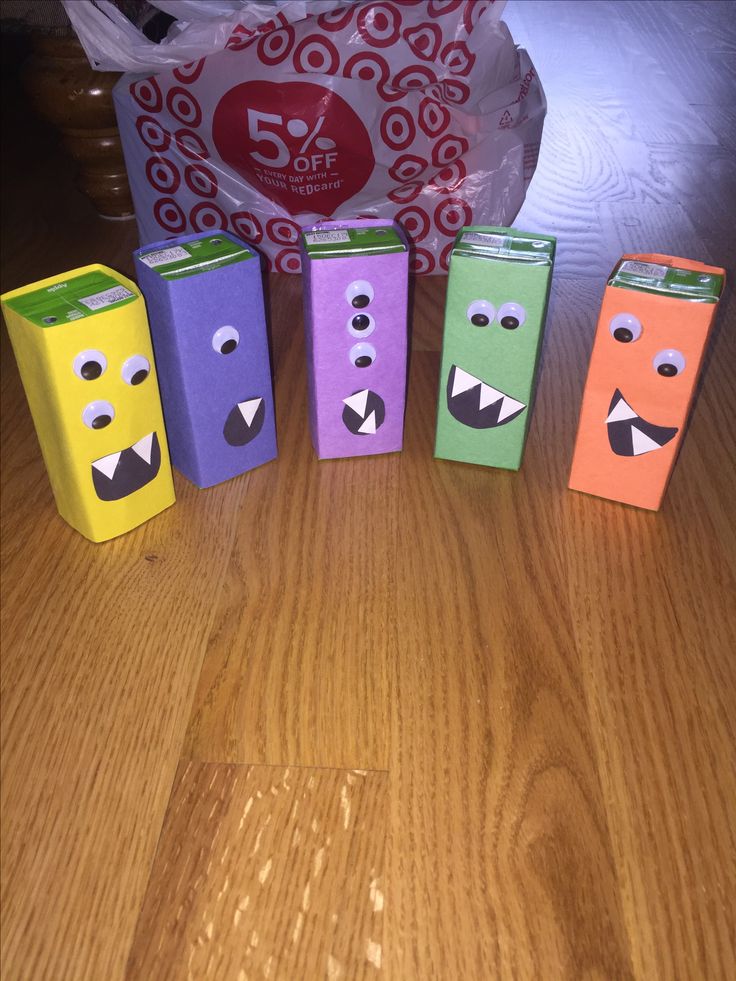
(326, 237)
(649, 270)
(105, 299)
(164, 256)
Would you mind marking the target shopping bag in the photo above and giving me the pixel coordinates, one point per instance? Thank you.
(420, 110)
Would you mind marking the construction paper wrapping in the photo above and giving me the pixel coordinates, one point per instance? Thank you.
(209, 334)
(424, 112)
(90, 378)
(644, 367)
(497, 295)
(356, 368)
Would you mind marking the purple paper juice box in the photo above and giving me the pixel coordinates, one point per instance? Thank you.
(204, 295)
(355, 282)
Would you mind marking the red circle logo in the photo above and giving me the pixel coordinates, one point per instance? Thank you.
(282, 230)
(447, 149)
(169, 215)
(201, 180)
(147, 94)
(397, 128)
(191, 144)
(288, 261)
(181, 104)
(449, 178)
(316, 54)
(416, 222)
(189, 73)
(247, 226)
(206, 217)
(424, 40)
(405, 193)
(298, 143)
(162, 175)
(274, 47)
(433, 117)
(422, 262)
(407, 167)
(152, 133)
(379, 24)
(452, 214)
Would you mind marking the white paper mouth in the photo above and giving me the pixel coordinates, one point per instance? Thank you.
(464, 381)
(107, 465)
(248, 409)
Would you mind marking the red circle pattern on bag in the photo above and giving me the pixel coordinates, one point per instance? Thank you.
(288, 140)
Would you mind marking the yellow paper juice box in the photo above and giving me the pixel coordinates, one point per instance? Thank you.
(84, 353)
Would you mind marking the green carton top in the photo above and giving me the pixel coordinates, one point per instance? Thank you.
(72, 299)
(655, 277)
(176, 261)
(482, 242)
(329, 243)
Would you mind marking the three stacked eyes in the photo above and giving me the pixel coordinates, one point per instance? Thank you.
(626, 329)
(359, 295)
(89, 366)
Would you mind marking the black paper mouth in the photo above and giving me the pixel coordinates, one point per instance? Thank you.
(245, 421)
(118, 474)
(364, 412)
(629, 434)
(474, 403)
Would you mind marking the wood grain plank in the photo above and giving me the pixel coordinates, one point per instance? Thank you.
(493, 767)
(297, 673)
(652, 601)
(266, 872)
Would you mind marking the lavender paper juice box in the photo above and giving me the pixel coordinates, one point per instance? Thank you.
(355, 282)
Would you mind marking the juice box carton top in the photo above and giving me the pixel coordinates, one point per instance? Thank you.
(509, 244)
(331, 242)
(667, 280)
(195, 256)
(65, 300)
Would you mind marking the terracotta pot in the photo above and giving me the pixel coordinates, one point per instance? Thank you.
(64, 90)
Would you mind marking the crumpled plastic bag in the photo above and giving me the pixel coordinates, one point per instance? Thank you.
(420, 110)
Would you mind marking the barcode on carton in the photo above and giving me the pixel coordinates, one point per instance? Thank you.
(649, 270)
(319, 238)
(105, 299)
(164, 256)
(484, 238)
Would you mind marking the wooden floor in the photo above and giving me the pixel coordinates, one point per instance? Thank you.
(397, 715)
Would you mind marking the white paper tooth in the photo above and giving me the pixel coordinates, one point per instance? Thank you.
(463, 381)
(107, 464)
(621, 410)
(369, 426)
(358, 401)
(508, 407)
(488, 395)
(642, 443)
(143, 447)
(248, 409)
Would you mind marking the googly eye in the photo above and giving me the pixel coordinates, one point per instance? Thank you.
(89, 365)
(362, 355)
(136, 369)
(359, 294)
(225, 340)
(625, 327)
(669, 363)
(481, 313)
(511, 315)
(361, 325)
(97, 415)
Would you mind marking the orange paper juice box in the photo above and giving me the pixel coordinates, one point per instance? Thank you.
(652, 333)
